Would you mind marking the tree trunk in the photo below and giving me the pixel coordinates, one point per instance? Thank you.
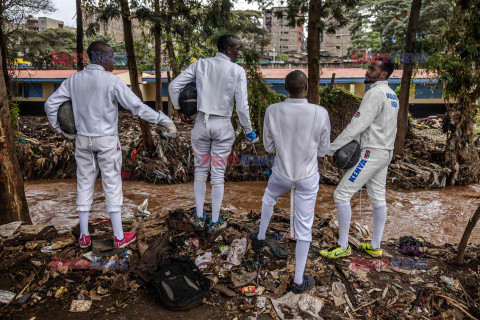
(313, 50)
(460, 151)
(13, 204)
(402, 122)
(158, 61)
(80, 65)
(466, 235)
(132, 70)
(3, 52)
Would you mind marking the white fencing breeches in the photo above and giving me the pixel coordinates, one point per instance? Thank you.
(94, 154)
(212, 140)
(371, 169)
(305, 198)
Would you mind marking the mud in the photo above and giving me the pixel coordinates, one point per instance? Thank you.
(438, 215)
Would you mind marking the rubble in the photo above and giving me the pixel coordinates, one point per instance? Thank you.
(45, 154)
(396, 286)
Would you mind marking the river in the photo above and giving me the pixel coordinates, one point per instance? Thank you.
(438, 215)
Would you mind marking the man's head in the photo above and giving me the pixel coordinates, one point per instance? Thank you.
(230, 46)
(296, 83)
(102, 54)
(379, 70)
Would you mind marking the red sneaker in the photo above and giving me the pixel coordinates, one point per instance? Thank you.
(84, 241)
(128, 237)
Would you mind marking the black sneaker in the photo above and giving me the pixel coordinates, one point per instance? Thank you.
(258, 245)
(306, 285)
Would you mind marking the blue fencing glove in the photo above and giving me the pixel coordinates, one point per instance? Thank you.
(251, 137)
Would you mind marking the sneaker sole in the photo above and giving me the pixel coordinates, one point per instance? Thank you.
(216, 232)
(336, 257)
(374, 255)
(125, 244)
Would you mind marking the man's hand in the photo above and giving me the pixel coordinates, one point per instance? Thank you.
(251, 137)
(186, 118)
(330, 159)
(170, 131)
(70, 136)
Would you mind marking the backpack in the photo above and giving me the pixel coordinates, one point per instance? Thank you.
(180, 285)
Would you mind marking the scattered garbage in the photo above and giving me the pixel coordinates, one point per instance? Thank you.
(298, 307)
(60, 292)
(203, 260)
(80, 305)
(237, 250)
(6, 296)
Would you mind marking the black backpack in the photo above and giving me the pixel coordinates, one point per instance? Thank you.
(180, 285)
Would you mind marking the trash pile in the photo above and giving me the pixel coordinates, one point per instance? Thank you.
(45, 271)
(45, 154)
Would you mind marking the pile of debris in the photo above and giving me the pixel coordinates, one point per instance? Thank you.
(46, 272)
(45, 154)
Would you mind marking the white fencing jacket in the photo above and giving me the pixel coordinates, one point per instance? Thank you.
(375, 121)
(298, 132)
(95, 95)
(219, 81)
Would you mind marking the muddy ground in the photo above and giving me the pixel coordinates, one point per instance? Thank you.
(397, 286)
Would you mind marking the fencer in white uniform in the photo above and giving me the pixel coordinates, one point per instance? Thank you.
(220, 82)
(298, 132)
(376, 124)
(95, 96)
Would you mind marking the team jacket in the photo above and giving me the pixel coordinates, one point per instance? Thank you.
(95, 96)
(375, 121)
(219, 81)
(298, 132)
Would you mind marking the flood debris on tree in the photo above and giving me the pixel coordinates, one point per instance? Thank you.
(44, 154)
(46, 271)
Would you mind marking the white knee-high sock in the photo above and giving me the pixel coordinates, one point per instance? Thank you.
(83, 216)
(199, 189)
(116, 218)
(379, 219)
(217, 197)
(301, 255)
(344, 215)
(267, 212)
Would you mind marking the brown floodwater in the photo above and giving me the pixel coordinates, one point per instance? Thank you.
(438, 215)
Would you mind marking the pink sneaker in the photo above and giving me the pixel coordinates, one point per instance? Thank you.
(128, 237)
(84, 241)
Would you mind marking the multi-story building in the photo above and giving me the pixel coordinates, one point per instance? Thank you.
(42, 23)
(113, 27)
(285, 39)
(337, 44)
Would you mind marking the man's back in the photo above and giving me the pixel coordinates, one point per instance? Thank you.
(298, 132)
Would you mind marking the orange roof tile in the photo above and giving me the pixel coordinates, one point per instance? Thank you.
(47, 74)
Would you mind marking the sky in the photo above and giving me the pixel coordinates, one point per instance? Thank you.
(66, 10)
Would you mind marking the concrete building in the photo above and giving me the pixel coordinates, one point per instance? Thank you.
(285, 39)
(113, 27)
(336, 45)
(42, 23)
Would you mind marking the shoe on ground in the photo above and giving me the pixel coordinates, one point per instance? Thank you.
(84, 241)
(367, 247)
(128, 237)
(217, 227)
(196, 222)
(335, 252)
(258, 245)
(306, 285)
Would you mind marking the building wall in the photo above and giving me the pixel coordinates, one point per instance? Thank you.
(337, 44)
(114, 27)
(285, 39)
(47, 23)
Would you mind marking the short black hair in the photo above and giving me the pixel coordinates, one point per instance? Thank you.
(226, 41)
(295, 81)
(387, 66)
(95, 47)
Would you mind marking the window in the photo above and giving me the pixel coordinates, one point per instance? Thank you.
(338, 37)
(427, 91)
(56, 86)
(30, 90)
(338, 47)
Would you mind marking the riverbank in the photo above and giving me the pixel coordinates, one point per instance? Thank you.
(45, 154)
